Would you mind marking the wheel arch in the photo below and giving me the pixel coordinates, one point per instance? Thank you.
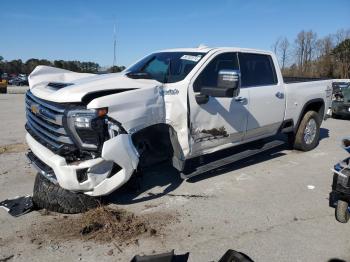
(317, 105)
(157, 143)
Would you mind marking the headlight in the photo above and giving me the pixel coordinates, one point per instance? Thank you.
(83, 121)
(87, 127)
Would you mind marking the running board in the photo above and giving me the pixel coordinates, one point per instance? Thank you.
(231, 159)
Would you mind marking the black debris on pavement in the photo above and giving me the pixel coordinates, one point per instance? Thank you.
(18, 206)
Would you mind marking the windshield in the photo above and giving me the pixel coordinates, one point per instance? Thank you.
(165, 67)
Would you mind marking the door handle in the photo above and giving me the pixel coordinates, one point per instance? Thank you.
(241, 99)
(279, 95)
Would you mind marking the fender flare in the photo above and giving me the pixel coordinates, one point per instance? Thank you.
(306, 105)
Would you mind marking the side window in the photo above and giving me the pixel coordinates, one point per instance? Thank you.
(209, 76)
(257, 70)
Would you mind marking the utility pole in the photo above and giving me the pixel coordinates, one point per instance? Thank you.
(114, 45)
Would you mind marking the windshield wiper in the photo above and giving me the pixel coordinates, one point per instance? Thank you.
(139, 75)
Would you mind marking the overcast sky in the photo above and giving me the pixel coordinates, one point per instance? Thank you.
(83, 30)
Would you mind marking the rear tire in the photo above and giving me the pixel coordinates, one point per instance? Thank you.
(308, 134)
(54, 198)
(341, 211)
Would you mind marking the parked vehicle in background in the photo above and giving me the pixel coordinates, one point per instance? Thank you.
(19, 81)
(4, 76)
(3, 86)
(90, 133)
(341, 99)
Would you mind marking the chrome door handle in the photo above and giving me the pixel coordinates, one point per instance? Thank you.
(241, 99)
(279, 95)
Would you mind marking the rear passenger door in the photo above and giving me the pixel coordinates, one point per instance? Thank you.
(266, 96)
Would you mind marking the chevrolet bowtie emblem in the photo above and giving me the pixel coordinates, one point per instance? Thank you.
(34, 108)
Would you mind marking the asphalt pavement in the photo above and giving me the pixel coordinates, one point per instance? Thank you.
(272, 207)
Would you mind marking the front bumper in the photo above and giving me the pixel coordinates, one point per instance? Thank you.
(100, 177)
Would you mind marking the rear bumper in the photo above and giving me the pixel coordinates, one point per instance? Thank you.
(99, 178)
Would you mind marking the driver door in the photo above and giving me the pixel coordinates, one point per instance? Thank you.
(221, 120)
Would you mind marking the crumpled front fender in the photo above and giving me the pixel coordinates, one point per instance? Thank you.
(122, 152)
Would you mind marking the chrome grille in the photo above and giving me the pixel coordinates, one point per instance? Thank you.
(45, 123)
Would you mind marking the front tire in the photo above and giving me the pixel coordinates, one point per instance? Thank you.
(308, 133)
(54, 198)
(342, 212)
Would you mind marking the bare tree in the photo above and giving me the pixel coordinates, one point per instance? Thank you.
(305, 45)
(275, 46)
(313, 57)
(311, 39)
(342, 57)
(300, 50)
(283, 48)
(341, 35)
(324, 64)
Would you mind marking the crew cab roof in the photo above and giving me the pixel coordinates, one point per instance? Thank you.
(206, 49)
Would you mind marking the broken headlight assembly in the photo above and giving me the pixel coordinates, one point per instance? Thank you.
(88, 127)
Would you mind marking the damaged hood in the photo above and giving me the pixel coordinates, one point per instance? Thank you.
(63, 86)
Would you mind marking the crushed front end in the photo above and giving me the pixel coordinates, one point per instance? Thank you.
(83, 150)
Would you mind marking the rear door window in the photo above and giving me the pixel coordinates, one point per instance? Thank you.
(257, 70)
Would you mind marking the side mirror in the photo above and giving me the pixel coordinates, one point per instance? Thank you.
(227, 86)
(229, 79)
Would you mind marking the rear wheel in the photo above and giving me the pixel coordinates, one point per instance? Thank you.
(342, 212)
(54, 198)
(308, 133)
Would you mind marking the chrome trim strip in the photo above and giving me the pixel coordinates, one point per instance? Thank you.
(61, 139)
(50, 117)
(49, 141)
(58, 130)
(39, 101)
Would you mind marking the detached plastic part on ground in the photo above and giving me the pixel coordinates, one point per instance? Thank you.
(18, 206)
(229, 256)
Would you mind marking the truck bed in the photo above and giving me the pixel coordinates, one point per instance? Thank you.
(298, 94)
(297, 79)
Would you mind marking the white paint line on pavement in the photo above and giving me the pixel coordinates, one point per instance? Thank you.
(243, 177)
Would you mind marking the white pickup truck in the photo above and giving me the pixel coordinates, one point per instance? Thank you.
(88, 134)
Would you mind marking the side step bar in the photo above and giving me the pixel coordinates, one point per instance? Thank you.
(231, 159)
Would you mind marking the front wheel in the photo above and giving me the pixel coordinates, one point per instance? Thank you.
(54, 198)
(308, 133)
(342, 212)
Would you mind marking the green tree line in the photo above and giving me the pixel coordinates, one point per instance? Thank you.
(17, 66)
